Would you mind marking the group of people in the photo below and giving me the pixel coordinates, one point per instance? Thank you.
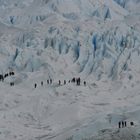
(64, 82)
(123, 124)
(4, 76)
(77, 81)
(49, 81)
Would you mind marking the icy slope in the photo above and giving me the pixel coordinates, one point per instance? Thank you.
(59, 112)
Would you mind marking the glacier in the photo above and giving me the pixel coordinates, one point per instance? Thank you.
(98, 41)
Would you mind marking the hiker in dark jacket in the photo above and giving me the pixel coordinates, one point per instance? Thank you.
(122, 124)
(131, 123)
(35, 85)
(41, 83)
(50, 81)
(125, 124)
(1, 77)
(84, 83)
(119, 124)
(59, 82)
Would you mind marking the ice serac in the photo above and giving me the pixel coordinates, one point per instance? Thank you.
(121, 2)
(131, 5)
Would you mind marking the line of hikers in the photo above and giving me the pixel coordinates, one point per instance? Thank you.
(77, 81)
(123, 124)
(4, 76)
(49, 81)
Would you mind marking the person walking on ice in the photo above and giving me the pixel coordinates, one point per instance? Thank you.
(50, 81)
(119, 124)
(41, 83)
(122, 124)
(35, 85)
(125, 124)
(59, 82)
(84, 83)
